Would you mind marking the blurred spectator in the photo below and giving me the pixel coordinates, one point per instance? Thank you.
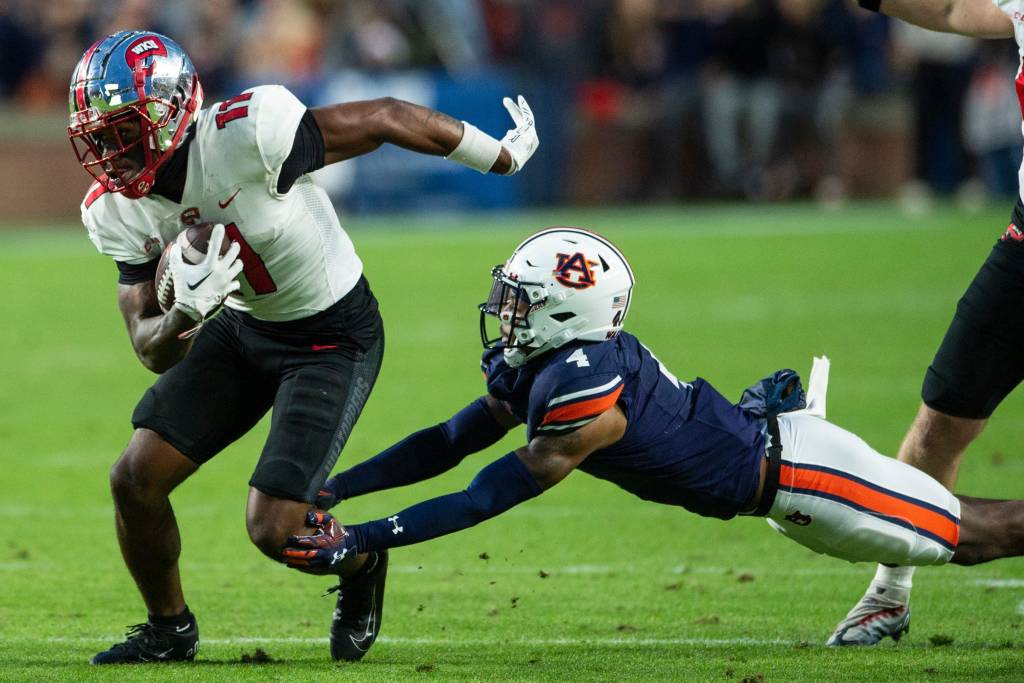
(742, 103)
(656, 51)
(20, 46)
(809, 58)
(637, 97)
(211, 31)
(775, 94)
(940, 67)
(371, 35)
(456, 30)
(992, 119)
(65, 29)
(283, 44)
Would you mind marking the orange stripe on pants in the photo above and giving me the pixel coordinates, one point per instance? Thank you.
(876, 501)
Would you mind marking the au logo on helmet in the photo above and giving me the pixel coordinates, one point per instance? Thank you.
(576, 264)
(144, 47)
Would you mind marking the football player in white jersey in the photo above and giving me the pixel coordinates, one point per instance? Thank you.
(298, 329)
(978, 362)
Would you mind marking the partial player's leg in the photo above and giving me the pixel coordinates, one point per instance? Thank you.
(193, 411)
(359, 609)
(989, 530)
(935, 444)
(141, 481)
(839, 497)
(327, 369)
(147, 532)
(976, 366)
(271, 520)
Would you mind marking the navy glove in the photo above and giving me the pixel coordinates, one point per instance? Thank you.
(329, 495)
(779, 393)
(323, 551)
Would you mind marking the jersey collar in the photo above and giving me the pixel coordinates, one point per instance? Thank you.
(171, 176)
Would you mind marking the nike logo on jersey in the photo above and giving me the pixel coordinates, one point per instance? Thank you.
(224, 205)
(193, 285)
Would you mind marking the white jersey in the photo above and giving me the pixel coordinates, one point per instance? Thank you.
(298, 259)
(1014, 9)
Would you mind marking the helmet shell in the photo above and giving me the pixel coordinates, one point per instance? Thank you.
(578, 285)
(137, 75)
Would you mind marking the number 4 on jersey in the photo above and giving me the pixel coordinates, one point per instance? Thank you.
(579, 358)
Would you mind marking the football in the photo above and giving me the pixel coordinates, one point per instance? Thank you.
(194, 241)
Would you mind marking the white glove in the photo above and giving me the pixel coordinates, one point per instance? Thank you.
(521, 141)
(200, 289)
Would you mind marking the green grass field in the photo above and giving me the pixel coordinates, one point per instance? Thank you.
(582, 583)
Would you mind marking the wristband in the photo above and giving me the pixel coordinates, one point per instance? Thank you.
(871, 5)
(477, 149)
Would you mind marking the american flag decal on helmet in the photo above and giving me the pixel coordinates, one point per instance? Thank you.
(619, 301)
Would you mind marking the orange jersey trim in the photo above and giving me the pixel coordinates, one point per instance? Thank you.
(582, 409)
(883, 504)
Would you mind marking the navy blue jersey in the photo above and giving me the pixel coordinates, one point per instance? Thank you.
(685, 444)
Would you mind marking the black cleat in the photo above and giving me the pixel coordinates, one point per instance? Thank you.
(151, 643)
(357, 617)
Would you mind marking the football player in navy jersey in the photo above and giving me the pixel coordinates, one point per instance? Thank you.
(593, 398)
(298, 329)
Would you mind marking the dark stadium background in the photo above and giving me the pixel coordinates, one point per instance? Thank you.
(636, 100)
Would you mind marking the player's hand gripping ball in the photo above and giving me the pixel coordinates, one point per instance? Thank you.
(193, 242)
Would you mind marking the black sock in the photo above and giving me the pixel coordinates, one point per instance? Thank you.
(183, 619)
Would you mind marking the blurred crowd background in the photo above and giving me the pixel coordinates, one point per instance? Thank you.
(636, 100)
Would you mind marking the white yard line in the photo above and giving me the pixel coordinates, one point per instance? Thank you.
(462, 642)
(999, 583)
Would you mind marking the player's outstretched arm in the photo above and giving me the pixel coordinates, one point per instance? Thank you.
(351, 129)
(503, 484)
(978, 18)
(424, 454)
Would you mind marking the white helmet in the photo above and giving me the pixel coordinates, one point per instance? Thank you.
(560, 284)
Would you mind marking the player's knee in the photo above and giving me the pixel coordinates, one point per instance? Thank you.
(268, 535)
(128, 484)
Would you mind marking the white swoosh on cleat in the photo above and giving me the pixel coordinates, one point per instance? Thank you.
(358, 644)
